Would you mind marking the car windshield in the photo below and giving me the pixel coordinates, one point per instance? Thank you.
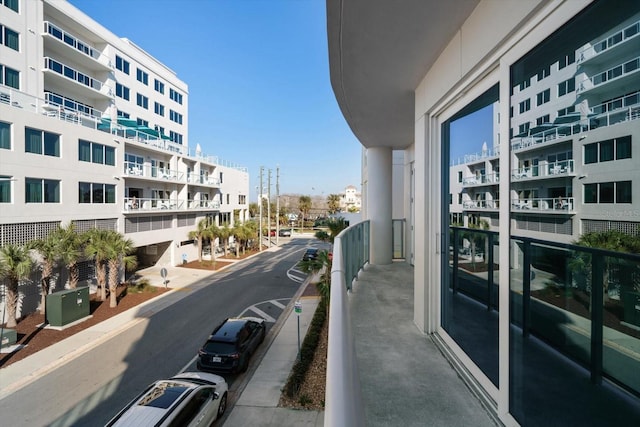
(219, 347)
(163, 395)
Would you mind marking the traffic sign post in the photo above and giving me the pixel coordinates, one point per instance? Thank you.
(163, 274)
(298, 309)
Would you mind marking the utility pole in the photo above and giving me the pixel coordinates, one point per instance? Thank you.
(269, 206)
(260, 203)
(277, 205)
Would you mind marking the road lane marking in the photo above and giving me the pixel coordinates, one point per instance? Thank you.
(260, 313)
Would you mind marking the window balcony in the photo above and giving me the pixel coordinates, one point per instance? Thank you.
(142, 205)
(599, 50)
(544, 205)
(611, 79)
(482, 205)
(82, 83)
(59, 41)
(487, 179)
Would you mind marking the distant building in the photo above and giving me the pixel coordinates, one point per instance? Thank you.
(351, 200)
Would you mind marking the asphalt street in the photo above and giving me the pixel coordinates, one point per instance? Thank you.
(90, 389)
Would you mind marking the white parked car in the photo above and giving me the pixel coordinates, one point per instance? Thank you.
(188, 399)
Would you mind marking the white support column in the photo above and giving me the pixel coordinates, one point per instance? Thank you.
(379, 204)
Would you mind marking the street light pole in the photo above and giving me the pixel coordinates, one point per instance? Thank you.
(260, 203)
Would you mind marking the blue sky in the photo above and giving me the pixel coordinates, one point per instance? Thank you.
(468, 133)
(259, 88)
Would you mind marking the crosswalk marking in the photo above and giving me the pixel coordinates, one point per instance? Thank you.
(277, 304)
(262, 314)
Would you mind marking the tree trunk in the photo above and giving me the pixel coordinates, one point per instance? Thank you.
(113, 284)
(101, 276)
(200, 249)
(44, 291)
(73, 275)
(12, 303)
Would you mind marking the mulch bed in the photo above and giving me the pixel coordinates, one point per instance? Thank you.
(35, 338)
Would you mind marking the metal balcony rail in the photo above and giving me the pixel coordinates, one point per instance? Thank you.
(55, 101)
(557, 204)
(478, 156)
(71, 74)
(146, 204)
(613, 73)
(492, 178)
(481, 204)
(583, 301)
(603, 45)
(343, 396)
(72, 41)
(594, 121)
(544, 169)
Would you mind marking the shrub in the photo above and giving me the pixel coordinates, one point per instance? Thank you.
(307, 352)
(140, 286)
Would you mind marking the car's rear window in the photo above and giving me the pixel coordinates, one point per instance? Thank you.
(219, 347)
(163, 395)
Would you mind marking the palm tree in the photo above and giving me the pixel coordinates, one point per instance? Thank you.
(96, 248)
(49, 250)
(202, 232)
(333, 203)
(304, 204)
(119, 251)
(241, 233)
(71, 252)
(15, 265)
(224, 233)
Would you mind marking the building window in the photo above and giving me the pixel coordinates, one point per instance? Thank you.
(605, 192)
(42, 190)
(11, 4)
(543, 97)
(122, 64)
(158, 86)
(5, 135)
(9, 38)
(96, 153)
(142, 76)
(142, 101)
(9, 77)
(159, 109)
(525, 84)
(175, 96)
(591, 193)
(623, 192)
(566, 87)
(525, 105)
(175, 137)
(122, 114)
(459, 176)
(41, 142)
(89, 192)
(122, 91)
(566, 60)
(524, 128)
(5, 189)
(568, 110)
(544, 72)
(606, 150)
(174, 116)
(623, 147)
(142, 122)
(542, 120)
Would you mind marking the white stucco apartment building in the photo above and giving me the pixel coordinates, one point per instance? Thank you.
(95, 131)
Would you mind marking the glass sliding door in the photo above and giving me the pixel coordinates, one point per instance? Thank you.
(470, 180)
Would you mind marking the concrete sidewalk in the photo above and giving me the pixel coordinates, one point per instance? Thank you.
(258, 403)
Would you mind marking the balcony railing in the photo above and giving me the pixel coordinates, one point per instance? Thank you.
(343, 405)
(550, 169)
(604, 45)
(583, 301)
(603, 115)
(617, 72)
(476, 157)
(546, 204)
(492, 178)
(481, 204)
(133, 204)
(71, 74)
(74, 42)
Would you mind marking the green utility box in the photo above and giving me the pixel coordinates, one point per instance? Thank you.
(67, 306)
(8, 337)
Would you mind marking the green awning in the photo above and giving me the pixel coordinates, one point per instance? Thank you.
(127, 122)
(148, 131)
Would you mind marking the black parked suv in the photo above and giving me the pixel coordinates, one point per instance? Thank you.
(231, 345)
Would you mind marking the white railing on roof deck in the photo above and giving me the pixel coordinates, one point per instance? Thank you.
(343, 396)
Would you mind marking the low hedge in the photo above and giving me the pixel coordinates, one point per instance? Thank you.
(307, 351)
